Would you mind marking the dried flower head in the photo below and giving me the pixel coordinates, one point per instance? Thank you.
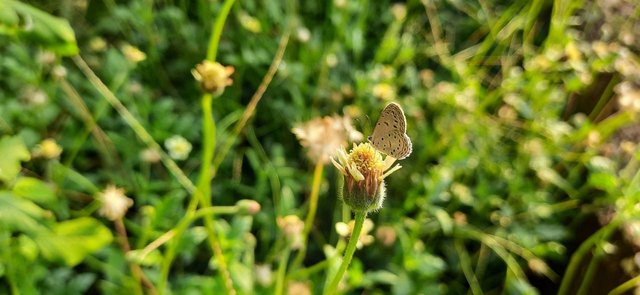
(178, 147)
(114, 203)
(345, 230)
(292, 227)
(323, 136)
(364, 171)
(213, 76)
(48, 149)
(133, 54)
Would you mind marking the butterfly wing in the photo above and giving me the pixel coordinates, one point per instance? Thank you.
(389, 136)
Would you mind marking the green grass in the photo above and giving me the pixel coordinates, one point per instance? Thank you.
(523, 176)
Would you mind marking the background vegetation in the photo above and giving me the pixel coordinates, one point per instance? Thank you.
(523, 177)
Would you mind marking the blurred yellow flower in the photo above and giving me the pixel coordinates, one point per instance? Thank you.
(384, 91)
(114, 203)
(249, 22)
(323, 136)
(213, 76)
(133, 54)
(365, 239)
(48, 149)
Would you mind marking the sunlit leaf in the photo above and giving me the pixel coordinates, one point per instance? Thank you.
(71, 241)
(13, 152)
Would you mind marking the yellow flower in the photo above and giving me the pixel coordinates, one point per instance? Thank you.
(48, 148)
(178, 147)
(323, 136)
(383, 91)
(133, 54)
(213, 76)
(364, 171)
(249, 22)
(114, 203)
(344, 230)
(292, 227)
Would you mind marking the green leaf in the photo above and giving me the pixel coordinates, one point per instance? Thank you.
(25, 21)
(71, 241)
(13, 151)
(18, 214)
(34, 190)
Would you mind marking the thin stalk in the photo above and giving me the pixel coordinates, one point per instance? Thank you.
(348, 254)
(465, 264)
(626, 286)
(282, 270)
(216, 33)
(595, 260)
(253, 103)
(577, 257)
(313, 207)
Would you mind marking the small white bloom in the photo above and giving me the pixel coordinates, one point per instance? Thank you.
(114, 203)
(178, 147)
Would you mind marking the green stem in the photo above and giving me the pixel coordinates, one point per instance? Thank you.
(348, 254)
(313, 207)
(282, 269)
(626, 286)
(595, 261)
(584, 248)
(465, 263)
(218, 25)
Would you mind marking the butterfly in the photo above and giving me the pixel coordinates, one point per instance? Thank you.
(390, 134)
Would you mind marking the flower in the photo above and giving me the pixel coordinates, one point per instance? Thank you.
(249, 207)
(303, 34)
(323, 136)
(34, 96)
(399, 11)
(364, 171)
(133, 54)
(249, 22)
(97, 44)
(298, 288)
(48, 149)
(114, 203)
(178, 147)
(149, 155)
(292, 227)
(213, 76)
(386, 235)
(264, 274)
(344, 230)
(383, 91)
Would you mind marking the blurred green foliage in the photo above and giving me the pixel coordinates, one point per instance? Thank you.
(519, 113)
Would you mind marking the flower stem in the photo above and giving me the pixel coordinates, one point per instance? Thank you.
(584, 248)
(348, 254)
(313, 207)
(282, 269)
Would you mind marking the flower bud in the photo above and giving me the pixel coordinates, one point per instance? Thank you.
(249, 207)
